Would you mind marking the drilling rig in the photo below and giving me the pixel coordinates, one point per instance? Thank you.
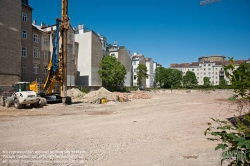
(57, 67)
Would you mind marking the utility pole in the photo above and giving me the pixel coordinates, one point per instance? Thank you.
(65, 27)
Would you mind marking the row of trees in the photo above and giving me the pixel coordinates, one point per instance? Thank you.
(173, 78)
(113, 74)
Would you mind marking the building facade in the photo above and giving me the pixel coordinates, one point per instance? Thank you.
(35, 48)
(211, 69)
(10, 43)
(90, 54)
(123, 56)
(136, 60)
(150, 72)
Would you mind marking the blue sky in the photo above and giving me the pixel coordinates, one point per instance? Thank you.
(168, 31)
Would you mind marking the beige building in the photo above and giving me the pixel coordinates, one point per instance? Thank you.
(35, 48)
(10, 43)
(123, 56)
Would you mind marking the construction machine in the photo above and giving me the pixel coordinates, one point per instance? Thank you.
(57, 68)
(21, 96)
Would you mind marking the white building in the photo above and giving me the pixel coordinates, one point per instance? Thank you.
(90, 54)
(150, 72)
(136, 60)
(211, 69)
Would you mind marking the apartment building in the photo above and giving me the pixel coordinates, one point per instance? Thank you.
(90, 54)
(136, 60)
(150, 72)
(35, 48)
(123, 56)
(10, 43)
(208, 66)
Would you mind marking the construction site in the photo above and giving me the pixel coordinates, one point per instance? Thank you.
(158, 127)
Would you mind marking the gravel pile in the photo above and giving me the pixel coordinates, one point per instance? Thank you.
(75, 93)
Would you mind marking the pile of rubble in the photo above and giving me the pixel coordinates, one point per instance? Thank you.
(75, 93)
(95, 97)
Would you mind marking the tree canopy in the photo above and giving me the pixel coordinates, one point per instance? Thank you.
(168, 78)
(141, 72)
(206, 82)
(112, 72)
(189, 80)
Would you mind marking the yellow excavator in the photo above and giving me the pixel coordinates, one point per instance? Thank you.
(57, 68)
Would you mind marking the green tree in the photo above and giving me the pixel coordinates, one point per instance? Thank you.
(168, 78)
(112, 72)
(206, 82)
(159, 75)
(223, 82)
(175, 78)
(189, 80)
(235, 140)
(141, 72)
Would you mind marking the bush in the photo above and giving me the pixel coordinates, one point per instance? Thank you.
(234, 137)
(84, 90)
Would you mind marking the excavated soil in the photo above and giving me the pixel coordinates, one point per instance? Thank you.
(165, 130)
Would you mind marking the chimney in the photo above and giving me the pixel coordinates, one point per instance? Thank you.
(34, 22)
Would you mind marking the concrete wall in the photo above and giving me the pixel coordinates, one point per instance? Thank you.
(10, 43)
(84, 58)
(96, 58)
(124, 58)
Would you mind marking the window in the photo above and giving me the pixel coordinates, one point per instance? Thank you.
(204, 73)
(134, 77)
(192, 69)
(24, 34)
(209, 73)
(197, 78)
(197, 73)
(23, 68)
(209, 68)
(36, 38)
(45, 69)
(134, 62)
(204, 65)
(215, 68)
(46, 41)
(24, 17)
(215, 72)
(46, 54)
(197, 69)
(209, 64)
(134, 70)
(36, 68)
(36, 53)
(204, 69)
(24, 51)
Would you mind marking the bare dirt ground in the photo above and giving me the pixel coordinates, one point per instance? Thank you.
(167, 129)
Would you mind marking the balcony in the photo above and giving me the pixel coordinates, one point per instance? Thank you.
(221, 73)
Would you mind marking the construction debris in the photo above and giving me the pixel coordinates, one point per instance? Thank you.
(103, 96)
(75, 93)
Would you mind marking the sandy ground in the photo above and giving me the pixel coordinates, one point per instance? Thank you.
(167, 129)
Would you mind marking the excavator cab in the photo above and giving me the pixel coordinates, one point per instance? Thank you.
(21, 86)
